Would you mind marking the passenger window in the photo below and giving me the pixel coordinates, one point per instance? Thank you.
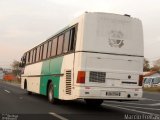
(31, 56)
(27, 58)
(60, 45)
(45, 50)
(37, 55)
(23, 60)
(34, 55)
(54, 47)
(41, 53)
(49, 49)
(72, 39)
(66, 42)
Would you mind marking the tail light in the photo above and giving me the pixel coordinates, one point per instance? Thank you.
(81, 77)
(140, 80)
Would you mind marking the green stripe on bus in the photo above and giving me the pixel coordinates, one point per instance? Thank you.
(52, 66)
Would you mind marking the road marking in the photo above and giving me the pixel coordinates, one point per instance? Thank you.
(125, 103)
(7, 91)
(139, 107)
(58, 116)
(150, 99)
(134, 110)
(155, 104)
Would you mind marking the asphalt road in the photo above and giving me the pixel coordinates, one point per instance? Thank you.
(16, 104)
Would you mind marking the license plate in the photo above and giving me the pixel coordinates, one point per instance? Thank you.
(113, 93)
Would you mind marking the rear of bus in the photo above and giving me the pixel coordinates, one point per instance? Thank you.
(109, 58)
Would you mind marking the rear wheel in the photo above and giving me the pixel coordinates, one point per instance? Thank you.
(25, 87)
(51, 98)
(29, 92)
(94, 102)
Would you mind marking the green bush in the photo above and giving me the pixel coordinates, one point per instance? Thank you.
(152, 89)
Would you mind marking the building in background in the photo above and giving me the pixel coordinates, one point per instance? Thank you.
(6, 74)
(7, 70)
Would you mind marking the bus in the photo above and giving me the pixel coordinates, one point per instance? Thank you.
(97, 57)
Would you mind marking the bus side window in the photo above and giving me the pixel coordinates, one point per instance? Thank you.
(31, 56)
(41, 52)
(23, 59)
(49, 49)
(72, 39)
(66, 42)
(60, 44)
(54, 47)
(34, 55)
(45, 50)
(37, 55)
(27, 56)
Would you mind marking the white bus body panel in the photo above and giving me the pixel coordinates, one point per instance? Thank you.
(33, 81)
(102, 31)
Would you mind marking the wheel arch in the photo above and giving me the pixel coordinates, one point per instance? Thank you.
(25, 83)
(49, 81)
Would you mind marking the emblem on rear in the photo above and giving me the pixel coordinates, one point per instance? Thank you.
(116, 39)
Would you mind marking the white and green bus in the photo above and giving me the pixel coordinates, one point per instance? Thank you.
(98, 56)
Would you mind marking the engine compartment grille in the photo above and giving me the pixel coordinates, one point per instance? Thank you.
(68, 82)
(97, 77)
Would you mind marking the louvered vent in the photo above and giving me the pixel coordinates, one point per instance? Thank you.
(68, 82)
(97, 77)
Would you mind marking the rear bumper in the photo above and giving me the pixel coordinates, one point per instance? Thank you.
(105, 93)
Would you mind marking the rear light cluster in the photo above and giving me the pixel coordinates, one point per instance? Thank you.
(82, 74)
(140, 80)
(81, 77)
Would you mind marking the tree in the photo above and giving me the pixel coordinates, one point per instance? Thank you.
(156, 65)
(15, 66)
(146, 65)
(155, 68)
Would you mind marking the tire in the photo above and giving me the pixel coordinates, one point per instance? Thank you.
(29, 92)
(93, 102)
(50, 94)
(25, 87)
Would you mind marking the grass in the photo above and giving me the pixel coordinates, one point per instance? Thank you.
(16, 81)
(152, 89)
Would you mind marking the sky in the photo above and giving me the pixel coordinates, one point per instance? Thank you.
(26, 23)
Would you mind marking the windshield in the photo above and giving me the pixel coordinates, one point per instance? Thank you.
(147, 80)
(156, 80)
